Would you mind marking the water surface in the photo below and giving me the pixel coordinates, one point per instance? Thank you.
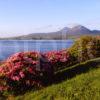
(9, 47)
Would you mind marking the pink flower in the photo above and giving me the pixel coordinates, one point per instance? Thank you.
(22, 75)
(15, 78)
(30, 70)
(34, 62)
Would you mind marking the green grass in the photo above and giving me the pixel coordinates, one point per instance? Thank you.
(83, 85)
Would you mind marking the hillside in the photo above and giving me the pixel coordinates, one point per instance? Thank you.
(64, 33)
(81, 82)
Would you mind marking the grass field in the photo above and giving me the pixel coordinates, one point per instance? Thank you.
(79, 82)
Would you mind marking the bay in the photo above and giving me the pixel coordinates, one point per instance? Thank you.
(9, 47)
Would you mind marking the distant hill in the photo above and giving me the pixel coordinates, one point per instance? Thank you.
(64, 33)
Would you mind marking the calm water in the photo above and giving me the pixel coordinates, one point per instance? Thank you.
(8, 47)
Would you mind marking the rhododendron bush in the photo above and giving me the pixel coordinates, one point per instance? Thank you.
(58, 59)
(30, 69)
(24, 70)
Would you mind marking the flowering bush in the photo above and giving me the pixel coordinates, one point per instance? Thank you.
(58, 59)
(24, 70)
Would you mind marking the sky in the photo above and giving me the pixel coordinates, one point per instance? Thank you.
(18, 17)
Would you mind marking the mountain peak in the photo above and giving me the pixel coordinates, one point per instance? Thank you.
(79, 27)
(65, 29)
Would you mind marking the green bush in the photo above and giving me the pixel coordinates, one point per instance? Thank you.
(85, 48)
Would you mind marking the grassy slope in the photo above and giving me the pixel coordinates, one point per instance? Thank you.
(83, 85)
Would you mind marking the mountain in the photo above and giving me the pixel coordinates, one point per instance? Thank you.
(79, 30)
(64, 33)
(65, 29)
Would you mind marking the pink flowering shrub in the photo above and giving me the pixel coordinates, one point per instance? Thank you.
(24, 70)
(58, 59)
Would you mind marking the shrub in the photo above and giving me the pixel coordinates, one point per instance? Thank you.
(85, 48)
(24, 70)
(58, 59)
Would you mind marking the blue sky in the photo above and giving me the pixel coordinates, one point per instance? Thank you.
(19, 17)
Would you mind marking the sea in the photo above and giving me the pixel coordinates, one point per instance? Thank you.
(9, 47)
